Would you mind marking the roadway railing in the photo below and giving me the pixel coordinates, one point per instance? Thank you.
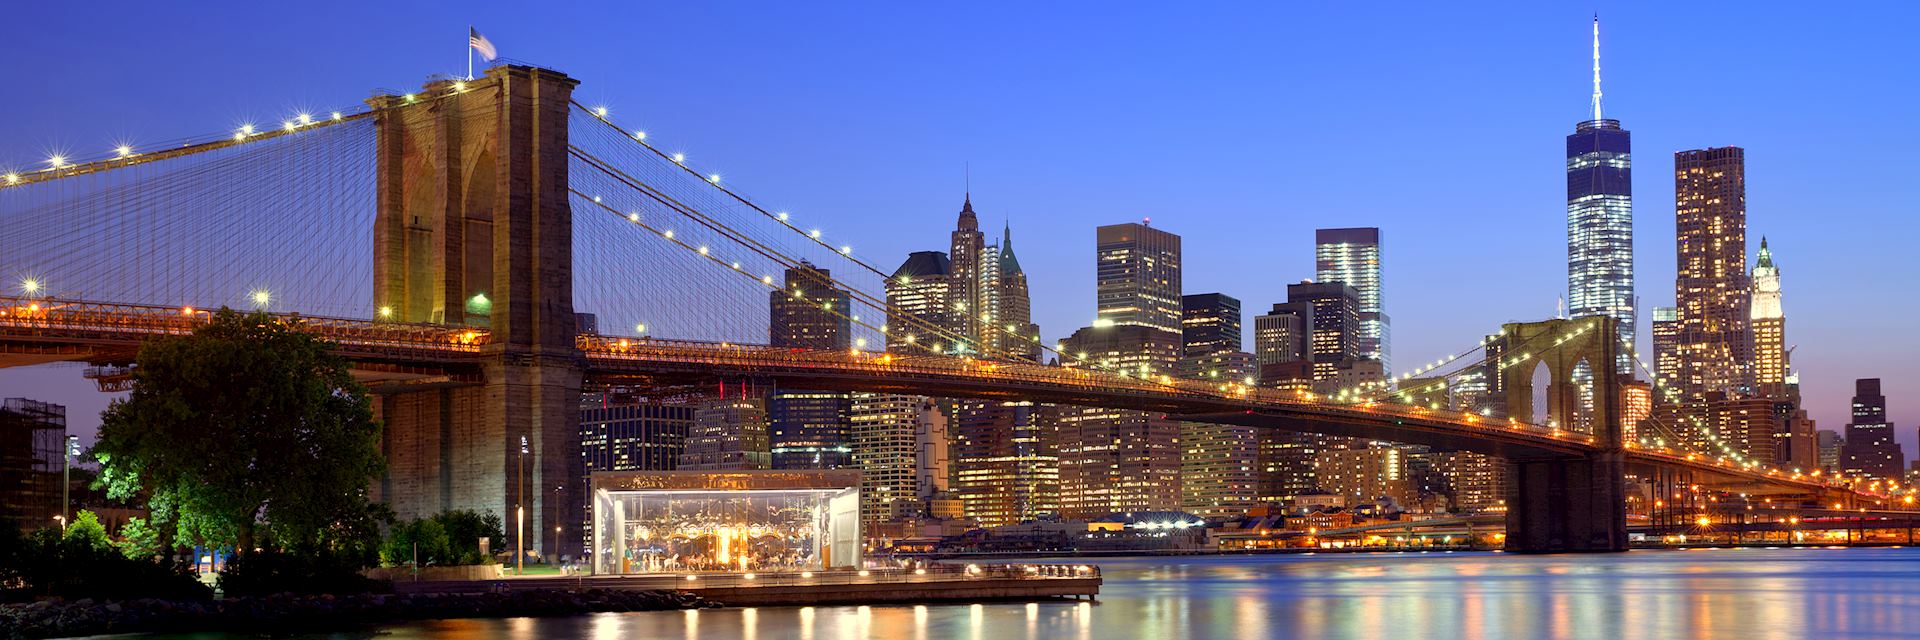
(84, 321)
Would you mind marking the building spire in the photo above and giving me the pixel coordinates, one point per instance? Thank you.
(1766, 256)
(1596, 67)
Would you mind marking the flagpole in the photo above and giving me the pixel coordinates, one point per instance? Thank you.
(469, 52)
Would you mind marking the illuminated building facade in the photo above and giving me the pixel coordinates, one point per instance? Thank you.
(1219, 471)
(1770, 366)
(732, 522)
(1367, 474)
(1714, 346)
(1137, 277)
(1008, 313)
(633, 436)
(1475, 483)
(888, 432)
(917, 297)
(1211, 340)
(1281, 334)
(967, 295)
(1666, 349)
(808, 429)
(1352, 257)
(1333, 339)
(1006, 469)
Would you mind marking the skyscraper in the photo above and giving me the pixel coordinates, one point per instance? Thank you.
(887, 449)
(1281, 335)
(1600, 217)
(1115, 459)
(808, 429)
(1007, 316)
(1137, 277)
(1333, 339)
(968, 277)
(1769, 325)
(917, 297)
(1352, 257)
(1666, 349)
(1870, 449)
(729, 433)
(1006, 469)
(1714, 346)
(619, 433)
(1211, 338)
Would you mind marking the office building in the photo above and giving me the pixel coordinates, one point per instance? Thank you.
(890, 436)
(1715, 345)
(1005, 467)
(1666, 354)
(967, 294)
(1007, 316)
(1333, 339)
(1137, 277)
(1870, 449)
(1281, 334)
(1352, 257)
(1831, 445)
(1600, 218)
(808, 429)
(1211, 339)
(918, 293)
(621, 433)
(1769, 321)
(728, 434)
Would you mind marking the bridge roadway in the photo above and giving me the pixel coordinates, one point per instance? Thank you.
(390, 354)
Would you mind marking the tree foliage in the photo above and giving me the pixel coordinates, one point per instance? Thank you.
(448, 538)
(246, 427)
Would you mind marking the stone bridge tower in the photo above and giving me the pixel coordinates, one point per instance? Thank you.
(1562, 504)
(474, 228)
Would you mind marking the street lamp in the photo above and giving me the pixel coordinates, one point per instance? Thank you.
(63, 524)
(520, 514)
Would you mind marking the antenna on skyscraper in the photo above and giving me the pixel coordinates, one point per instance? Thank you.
(1596, 67)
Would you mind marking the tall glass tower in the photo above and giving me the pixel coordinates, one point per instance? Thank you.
(1600, 218)
(1352, 257)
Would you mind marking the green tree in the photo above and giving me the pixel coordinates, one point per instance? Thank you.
(86, 532)
(248, 426)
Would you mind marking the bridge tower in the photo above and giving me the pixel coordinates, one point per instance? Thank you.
(1561, 504)
(474, 228)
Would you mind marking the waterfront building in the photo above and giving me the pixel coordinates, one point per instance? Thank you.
(681, 521)
(1352, 257)
(1006, 469)
(1117, 460)
(891, 436)
(1600, 218)
(1870, 449)
(1368, 474)
(1473, 483)
(1715, 343)
(33, 438)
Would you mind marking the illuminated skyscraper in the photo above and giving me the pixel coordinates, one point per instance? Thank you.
(1006, 469)
(1666, 349)
(917, 297)
(1714, 347)
(808, 429)
(1333, 339)
(1600, 217)
(966, 296)
(1007, 314)
(1352, 257)
(1138, 277)
(1769, 324)
(887, 449)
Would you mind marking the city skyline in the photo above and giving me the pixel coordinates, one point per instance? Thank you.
(1835, 348)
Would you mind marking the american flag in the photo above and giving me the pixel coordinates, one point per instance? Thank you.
(479, 43)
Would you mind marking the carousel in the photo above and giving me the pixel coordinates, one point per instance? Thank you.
(725, 521)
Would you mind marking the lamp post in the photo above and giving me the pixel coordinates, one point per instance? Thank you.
(66, 478)
(520, 514)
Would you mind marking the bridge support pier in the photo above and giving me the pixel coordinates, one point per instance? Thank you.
(1567, 506)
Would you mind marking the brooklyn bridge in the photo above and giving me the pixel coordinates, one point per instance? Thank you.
(484, 250)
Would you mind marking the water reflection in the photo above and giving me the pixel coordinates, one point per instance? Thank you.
(1754, 594)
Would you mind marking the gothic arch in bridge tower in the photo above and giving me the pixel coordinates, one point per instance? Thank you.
(1567, 349)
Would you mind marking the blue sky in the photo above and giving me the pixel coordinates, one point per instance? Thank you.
(1241, 127)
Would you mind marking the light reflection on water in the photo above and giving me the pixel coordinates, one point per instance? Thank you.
(1748, 594)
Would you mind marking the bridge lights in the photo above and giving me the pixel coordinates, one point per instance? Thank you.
(600, 111)
(123, 151)
(640, 328)
(305, 118)
(639, 135)
(261, 298)
(30, 286)
(713, 178)
(679, 158)
(336, 116)
(13, 178)
(57, 161)
(386, 312)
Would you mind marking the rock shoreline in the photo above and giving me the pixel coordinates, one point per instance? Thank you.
(289, 613)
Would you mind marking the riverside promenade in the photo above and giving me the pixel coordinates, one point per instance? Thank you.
(941, 582)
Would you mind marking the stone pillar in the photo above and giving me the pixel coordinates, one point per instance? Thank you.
(474, 228)
(1567, 505)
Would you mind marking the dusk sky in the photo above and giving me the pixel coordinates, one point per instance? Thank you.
(1240, 127)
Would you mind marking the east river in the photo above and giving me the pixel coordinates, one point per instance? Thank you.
(1744, 594)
